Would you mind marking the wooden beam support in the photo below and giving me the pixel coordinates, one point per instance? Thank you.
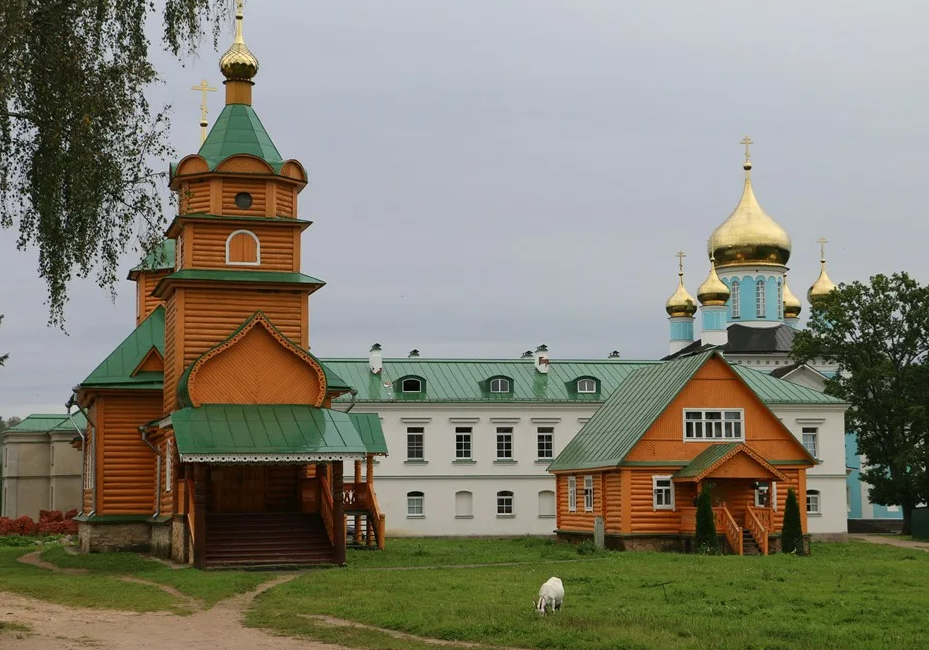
(201, 478)
(338, 512)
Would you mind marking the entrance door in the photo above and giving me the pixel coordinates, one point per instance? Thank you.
(237, 488)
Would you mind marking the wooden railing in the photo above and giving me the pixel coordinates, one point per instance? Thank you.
(765, 516)
(688, 520)
(757, 529)
(360, 497)
(380, 521)
(357, 496)
(733, 530)
(326, 508)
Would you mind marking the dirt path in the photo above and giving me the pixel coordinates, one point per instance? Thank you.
(892, 541)
(36, 560)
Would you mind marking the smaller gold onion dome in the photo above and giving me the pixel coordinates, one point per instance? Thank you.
(823, 284)
(680, 303)
(238, 63)
(713, 292)
(792, 306)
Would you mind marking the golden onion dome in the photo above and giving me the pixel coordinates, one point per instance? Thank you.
(713, 291)
(681, 303)
(238, 63)
(823, 284)
(792, 306)
(749, 236)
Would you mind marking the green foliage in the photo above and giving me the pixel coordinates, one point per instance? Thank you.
(705, 540)
(445, 552)
(855, 595)
(587, 547)
(878, 336)
(792, 533)
(79, 143)
(11, 421)
(22, 541)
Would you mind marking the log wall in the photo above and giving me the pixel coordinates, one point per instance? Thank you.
(146, 303)
(276, 242)
(128, 464)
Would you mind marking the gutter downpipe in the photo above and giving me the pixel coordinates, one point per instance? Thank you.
(353, 392)
(68, 405)
(157, 472)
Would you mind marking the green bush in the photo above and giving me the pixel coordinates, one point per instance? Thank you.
(792, 533)
(587, 547)
(705, 538)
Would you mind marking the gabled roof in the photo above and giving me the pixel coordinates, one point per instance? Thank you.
(239, 131)
(774, 390)
(624, 418)
(49, 423)
(158, 259)
(465, 380)
(719, 454)
(368, 426)
(116, 370)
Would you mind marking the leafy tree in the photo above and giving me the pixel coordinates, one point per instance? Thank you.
(79, 143)
(878, 335)
(705, 538)
(8, 423)
(792, 533)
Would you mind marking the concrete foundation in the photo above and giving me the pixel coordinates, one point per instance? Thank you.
(181, 548)
(161, 539)
(105, 537)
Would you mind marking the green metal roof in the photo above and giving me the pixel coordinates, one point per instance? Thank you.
(705, 459)
(116, 370)
(368, 426)
(265, 432)
(173, 227)
(239, 131)
(465, 380)
(159, 258)
(224, 275)
(624, 418)
(773, 390)
(49, 423)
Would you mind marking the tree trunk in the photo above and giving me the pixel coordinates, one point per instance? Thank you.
(907, 519)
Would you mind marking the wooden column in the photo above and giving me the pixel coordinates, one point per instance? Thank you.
(201, 477)
(369, 479)
(357, 491)
(338, 512)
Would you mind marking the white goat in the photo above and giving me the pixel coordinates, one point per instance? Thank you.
(551, 594)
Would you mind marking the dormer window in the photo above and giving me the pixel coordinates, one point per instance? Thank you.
(411, 385)
(586, 385)
(499, 385)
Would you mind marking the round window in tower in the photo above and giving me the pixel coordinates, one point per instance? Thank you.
(243, 200)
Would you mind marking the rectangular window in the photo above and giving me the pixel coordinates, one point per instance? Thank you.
(415, 506)
(572, 494)
(811, 440)
(662, 493)
(415, 443)
(812, 502)
(588, 494)
(546, 436)
(462, 443)
(762, 496)
(759, 298)
(504, 503)
(504, 443)
(713, 425)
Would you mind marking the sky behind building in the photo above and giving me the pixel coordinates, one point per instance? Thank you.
(486, 176)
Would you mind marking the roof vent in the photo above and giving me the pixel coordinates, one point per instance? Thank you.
(376, 360)
(527, 354)
(541, 358)
(614, 354)
(414, 353)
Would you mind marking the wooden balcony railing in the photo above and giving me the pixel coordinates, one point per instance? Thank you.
(733, 530)
(757, 529)
(360, 497)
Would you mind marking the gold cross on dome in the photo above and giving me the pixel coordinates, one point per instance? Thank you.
(822, 241)
(747, 141)
(204, 88)
(680, 255)
(239, 5)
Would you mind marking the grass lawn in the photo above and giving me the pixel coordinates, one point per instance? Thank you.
(445, 552)
(854, 595)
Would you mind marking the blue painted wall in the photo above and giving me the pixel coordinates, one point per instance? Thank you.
(748, 311)
(682, 330)
(714, 318)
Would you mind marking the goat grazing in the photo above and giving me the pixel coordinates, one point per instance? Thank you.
(551, 594)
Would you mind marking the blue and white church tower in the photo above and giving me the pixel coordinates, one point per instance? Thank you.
(681, 309)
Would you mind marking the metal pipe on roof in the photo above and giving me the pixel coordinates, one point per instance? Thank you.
(353, 392)
(157, 472)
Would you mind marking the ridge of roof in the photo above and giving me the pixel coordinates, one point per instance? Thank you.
(116, 370)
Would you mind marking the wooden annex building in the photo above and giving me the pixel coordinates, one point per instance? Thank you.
(668, 432)
(210, 436)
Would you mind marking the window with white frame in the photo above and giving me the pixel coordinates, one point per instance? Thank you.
(464, 501)
(588, 493)
(243, 249)
(713, 424)
(762, 495)
(586, 386)
(735, 298)
(169, 463)
(662, 493)
(759, 299)
(411, 385)
(415, 443)
(572, 494)
(812, 502)
(462, 443)
(546, 504)
(780, 299)
(504, 443)
(545, 440)
(500, 385)
(504, 502)
(811, 440)
(415, 504)
(89, 461)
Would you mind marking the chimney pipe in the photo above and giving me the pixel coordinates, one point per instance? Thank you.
(527, 354)
(376, 360)
(414, 353)
(614, 354)
(541, 359)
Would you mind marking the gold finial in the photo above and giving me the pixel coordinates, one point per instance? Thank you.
(747, 141)
(792, 306)
(713, 292)
(823, 284)
(204, 88)
(680, 255)
(680, 303)
(238, 63)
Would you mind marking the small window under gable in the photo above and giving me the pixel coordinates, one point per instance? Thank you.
(587, 385)
(412, 385)
(243, 249)
(500, 385)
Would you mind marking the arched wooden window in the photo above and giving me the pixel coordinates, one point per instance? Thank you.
(736, 298)
(780, 300)
(759, 299)
(411, 385)
(586, 386)
(500, 385)
(243, 249)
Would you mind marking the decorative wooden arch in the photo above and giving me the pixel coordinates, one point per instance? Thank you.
(233, 250)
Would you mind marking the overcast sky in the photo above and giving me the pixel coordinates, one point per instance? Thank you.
(489, 175)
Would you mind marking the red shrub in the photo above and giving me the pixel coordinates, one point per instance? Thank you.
(27, 526)
(71, 514)
(9, 527)
(50, 516)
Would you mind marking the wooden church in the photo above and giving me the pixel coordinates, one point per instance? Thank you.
(210, 436)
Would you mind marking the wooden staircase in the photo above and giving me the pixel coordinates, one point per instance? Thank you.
(266, 540)
(749, 547)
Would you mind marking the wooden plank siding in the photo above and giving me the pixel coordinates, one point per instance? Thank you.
(128, 466)
(232, 186)
(645, 518)
(146, 303)
(612, 492)
(173, 365)
(216, 195)
(581, 519)
(195, 197)
(88, 493)
(276, 242)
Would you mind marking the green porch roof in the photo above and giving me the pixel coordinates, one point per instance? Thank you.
(616, 427)
(245, 277)
(368, 426)
(706, 459)
(49, 423)
(116, 370)
(159, 258)
(267, 433)
(239, 131)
